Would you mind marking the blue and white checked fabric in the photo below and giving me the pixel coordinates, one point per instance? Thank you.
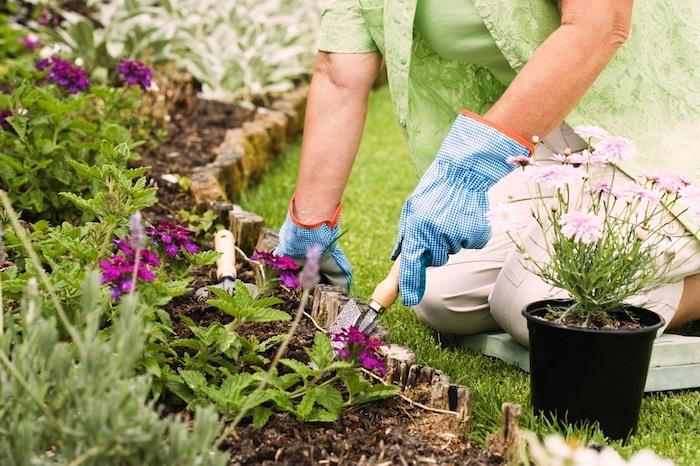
(447, 210)
(295, 240)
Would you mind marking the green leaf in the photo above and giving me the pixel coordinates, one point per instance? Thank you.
(300, 368)
(261, 415)
(376, 392)
(194, 379)
(322, 415)
(321, 354)
(306, 404)
(330, 398)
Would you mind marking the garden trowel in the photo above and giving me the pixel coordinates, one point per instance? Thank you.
(365, 320)
(225, 265)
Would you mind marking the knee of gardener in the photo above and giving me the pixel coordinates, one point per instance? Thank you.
(454, 315)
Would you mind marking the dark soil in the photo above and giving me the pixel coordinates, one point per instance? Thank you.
(195, 128)
(603, 321)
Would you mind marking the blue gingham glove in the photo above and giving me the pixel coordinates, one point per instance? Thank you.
(447, 210)
(296, 238)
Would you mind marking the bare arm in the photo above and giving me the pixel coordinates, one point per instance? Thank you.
(335, 118)
(564, 66)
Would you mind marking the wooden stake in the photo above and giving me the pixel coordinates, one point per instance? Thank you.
(505, 441)
(246, 228)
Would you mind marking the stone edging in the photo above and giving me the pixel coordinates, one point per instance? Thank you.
(247, 151)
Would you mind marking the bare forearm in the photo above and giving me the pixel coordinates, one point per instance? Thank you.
(564, 67)
(335, 116)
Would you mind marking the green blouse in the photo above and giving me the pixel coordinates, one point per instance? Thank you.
(649, 92)
(454, 30)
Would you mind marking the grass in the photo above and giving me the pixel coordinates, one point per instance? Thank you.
(382, 178)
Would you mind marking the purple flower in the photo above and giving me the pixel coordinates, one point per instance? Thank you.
(356, 345)
(118, 270)
(582, 227)
(30, 41)
(48, 18)
(134, 72)
(4, 115)
(172, 238)
(65, 74)
(284, 265)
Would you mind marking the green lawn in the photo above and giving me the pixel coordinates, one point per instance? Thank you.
(382, 178)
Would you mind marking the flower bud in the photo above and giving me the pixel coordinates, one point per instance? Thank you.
(310, 275)
(567, 151)
(526, 256)
(535, 139)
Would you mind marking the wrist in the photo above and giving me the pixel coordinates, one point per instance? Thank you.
(527, 145)
(308, 215)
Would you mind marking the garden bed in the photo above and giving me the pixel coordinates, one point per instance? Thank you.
(392, 431)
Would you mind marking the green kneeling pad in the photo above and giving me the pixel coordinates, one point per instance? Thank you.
(674, 365)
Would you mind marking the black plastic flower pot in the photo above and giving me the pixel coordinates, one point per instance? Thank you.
(586, 376)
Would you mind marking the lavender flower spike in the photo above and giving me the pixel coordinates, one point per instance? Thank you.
(136, 233)
(310, 275)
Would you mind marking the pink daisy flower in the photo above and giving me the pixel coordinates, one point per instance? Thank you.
(615, 149)
(582, 227)
(588, 132)
(520, 160)
(635, 191)
(555, 176)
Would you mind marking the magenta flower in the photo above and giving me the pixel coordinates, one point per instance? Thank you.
(118, 270)
(4, 115)
(30, 42)
(172, 239)
(356, 345)
(49, 19)
(135, 73)
(65, 74)
(284, 265)
(582, 227)
(615, 149)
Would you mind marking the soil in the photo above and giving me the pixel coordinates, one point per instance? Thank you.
(388, 432)
(195, 128)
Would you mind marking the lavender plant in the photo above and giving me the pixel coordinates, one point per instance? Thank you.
(602, 233)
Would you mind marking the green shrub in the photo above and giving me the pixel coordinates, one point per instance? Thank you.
(82, 401)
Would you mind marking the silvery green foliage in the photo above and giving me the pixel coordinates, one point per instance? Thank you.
(237, 49)
(81, 402)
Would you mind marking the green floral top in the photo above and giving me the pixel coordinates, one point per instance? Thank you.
(649, 92)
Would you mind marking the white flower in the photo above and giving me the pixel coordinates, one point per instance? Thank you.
(589, 131)
(587, 157)
(581, 226)
(504, 216)
(648, 458)
(615, 149)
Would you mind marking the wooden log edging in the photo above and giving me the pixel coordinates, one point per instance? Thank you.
(247, 152)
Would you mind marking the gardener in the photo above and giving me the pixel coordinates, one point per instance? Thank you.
(525, 65)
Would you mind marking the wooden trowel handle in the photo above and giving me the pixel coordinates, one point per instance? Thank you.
(226, 264)
(388, 289)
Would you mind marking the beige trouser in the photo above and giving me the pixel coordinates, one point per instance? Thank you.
(480, 290)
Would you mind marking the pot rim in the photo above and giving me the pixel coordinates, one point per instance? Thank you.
(536, 305)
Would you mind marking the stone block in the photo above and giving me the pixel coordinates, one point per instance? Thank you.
(206, 185)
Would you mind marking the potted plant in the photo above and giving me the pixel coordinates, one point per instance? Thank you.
(601, 239)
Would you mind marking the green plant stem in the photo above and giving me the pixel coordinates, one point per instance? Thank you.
(106, 240)
(2, 310)
(92, 452)
(22, 235)
(273, 366)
